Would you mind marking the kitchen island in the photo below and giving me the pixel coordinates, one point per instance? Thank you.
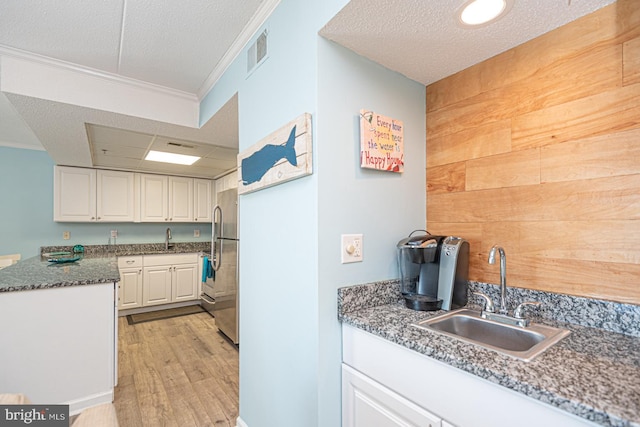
(591, 375)
(59, 331)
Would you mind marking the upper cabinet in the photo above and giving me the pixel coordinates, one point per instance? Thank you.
(166, 198)
(202, 200)
(89, 195)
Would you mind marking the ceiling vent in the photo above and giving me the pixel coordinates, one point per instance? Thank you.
(177, 144)
(257, 52)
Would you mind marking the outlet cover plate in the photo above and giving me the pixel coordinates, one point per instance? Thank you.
(351, 248)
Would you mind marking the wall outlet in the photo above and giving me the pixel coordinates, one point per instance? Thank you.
(114, 233)
(196, 233)
(351, 248)
(66, 235)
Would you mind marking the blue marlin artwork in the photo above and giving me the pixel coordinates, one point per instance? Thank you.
(259, 163)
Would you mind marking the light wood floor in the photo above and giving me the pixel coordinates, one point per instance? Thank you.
(176, 372)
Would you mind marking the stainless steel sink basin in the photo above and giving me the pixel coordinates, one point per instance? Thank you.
(515, 341)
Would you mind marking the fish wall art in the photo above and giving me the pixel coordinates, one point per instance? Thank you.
(284, 155)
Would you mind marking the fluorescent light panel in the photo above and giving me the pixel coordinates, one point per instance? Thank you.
(178, 159)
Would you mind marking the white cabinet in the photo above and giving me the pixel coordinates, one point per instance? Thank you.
(169, 278)
(166, 198)
(154, 198)
(96, 195)
(367, 403)
(130, 285)
(156, 285)
(202, 200)
(157, 279)
(180, 199)
(115, 196)
(89, 195)
(74, 194)
(184, 282)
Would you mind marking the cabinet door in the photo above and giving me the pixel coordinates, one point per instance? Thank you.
(114, 196)
(74, 194)
(130, 288)
(156, 285)
(154, 198)
(202, 200)
(367, 403)
(185, 282)
(180, 199)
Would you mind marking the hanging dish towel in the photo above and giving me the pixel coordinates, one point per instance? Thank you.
(207, 270)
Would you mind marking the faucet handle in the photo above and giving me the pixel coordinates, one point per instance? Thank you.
(488, 307)
(520, 308)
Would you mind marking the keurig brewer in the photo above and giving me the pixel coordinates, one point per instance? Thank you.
(433, 271)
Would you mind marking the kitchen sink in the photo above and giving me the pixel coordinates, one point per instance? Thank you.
(523, 343)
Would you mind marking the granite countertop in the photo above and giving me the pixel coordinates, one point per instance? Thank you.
(97, 265)
(593, 373)
(37, 273)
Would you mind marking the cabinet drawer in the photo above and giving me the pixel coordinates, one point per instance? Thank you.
(129, 261)
(173, 259)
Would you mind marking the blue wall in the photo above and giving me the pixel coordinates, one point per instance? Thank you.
(289, 234)
(26, 212)
(385, 207)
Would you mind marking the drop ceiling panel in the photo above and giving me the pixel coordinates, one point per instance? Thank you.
(179, 44)
(77, 31)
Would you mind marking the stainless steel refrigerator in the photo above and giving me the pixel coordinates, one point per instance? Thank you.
(225, 263)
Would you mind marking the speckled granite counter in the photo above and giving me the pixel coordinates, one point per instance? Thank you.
(98, 265)
(135, 249)
(593, 373)
(37, 273)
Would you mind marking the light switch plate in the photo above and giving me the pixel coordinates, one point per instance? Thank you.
(66, 235)
(351, 248)
(196, 233)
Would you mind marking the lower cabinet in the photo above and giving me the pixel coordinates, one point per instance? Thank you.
(130, 285)
(157, 279)
(367, 403)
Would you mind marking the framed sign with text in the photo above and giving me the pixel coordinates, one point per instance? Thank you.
(381, 142)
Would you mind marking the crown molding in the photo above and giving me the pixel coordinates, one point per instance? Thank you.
(21, 146)
(255, 23)
(111, 77)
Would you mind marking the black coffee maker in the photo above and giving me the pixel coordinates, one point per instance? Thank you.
(433, 271)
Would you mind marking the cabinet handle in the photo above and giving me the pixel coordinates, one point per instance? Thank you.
(99, 218)
(93, 217)
(166, 219)
(170, 219)
(130, 261)
(140, 271)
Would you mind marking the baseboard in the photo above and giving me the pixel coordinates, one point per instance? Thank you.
(149, 308)
(79, 405)
(240, 423)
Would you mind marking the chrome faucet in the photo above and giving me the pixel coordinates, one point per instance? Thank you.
(167, 238)
(503, 275)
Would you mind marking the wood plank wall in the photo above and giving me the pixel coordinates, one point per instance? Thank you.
(538, 150)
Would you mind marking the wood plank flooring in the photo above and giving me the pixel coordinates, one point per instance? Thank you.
(176, 372)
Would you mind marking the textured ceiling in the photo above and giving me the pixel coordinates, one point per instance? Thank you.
(423, 40)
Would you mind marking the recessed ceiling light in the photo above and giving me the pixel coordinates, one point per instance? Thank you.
(179, 159)
(480, 12)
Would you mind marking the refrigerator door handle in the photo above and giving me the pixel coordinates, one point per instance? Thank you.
(215, 257)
